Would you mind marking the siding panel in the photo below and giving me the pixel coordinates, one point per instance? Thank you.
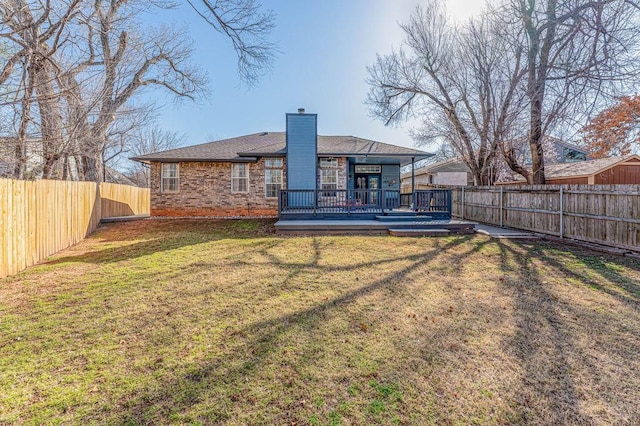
(302, 151)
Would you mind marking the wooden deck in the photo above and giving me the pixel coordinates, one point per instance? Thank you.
(371, 227)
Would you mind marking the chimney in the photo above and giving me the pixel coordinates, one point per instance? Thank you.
(302, 150)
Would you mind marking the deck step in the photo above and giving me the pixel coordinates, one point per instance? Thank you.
(401, 213)
(402, 218)
(419, 232)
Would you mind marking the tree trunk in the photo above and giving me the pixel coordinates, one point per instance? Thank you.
(50, 116)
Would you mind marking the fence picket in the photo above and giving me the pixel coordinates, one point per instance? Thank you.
(42, 217)
(606, 214)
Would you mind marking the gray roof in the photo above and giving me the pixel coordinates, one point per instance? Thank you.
(570, 145)
(450, 165)
(263, 144)
(580, 168)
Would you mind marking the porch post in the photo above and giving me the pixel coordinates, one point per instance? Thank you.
(413, 183)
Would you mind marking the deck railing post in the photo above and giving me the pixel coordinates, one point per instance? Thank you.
(449, 202)
(462, 209)
(315, 202)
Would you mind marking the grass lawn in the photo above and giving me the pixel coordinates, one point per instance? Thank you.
(207, 322)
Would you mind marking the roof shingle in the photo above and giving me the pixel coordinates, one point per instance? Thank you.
(274, 143)
(580, 168)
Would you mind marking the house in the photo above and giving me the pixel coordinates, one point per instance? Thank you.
(247, 176)
(603, 171)
(451, 172)
(554, 151)
(565, 152)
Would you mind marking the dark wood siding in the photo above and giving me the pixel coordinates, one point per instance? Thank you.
(568, 181)
(621, 174)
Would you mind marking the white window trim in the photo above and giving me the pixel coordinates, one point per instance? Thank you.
(162, 178)
(329, 192)
(266, 160)
(233, 165)
(273, 169)
(329, 163)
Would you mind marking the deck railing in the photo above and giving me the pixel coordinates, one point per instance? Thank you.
(337, 201)
(432, 201)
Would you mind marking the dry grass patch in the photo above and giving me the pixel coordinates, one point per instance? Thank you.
(209, 322)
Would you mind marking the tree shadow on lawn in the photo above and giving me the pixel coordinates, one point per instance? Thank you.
(624, 288)
(546, 344)
(161, 235)
(242, 358)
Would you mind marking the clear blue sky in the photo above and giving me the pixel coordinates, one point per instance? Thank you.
(325, 48)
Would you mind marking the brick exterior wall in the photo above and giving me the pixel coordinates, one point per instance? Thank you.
(205, 190)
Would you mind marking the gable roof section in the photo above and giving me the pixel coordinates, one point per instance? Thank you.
(450, 165)
(570, 145)
(269, 144)
(582, 168)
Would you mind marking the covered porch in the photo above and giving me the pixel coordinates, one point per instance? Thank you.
(361, 186)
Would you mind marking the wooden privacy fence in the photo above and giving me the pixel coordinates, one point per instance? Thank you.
(41, 217)
(604, 214)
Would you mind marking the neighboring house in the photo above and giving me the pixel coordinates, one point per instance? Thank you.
(449, 172)
(614, 170)
(243, 176)
(555, 151)
(566, 152)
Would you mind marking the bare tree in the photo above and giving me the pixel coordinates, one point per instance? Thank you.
(526, 70)
(36, 30)
(247, 26)
(461, 81)
(146, 141)
(576, 53)
(81, 64)
(128, 62)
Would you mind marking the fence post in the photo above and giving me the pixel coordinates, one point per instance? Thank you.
(561, 212)
(501, 205)
(462, 210)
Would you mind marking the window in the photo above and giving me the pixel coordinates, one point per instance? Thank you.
(272, 177)
(365, 168)
(273, 163)
(240, 177)
(169, 178)
(329, 176)
(572, 156)
(329, 180)
(326, 163)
